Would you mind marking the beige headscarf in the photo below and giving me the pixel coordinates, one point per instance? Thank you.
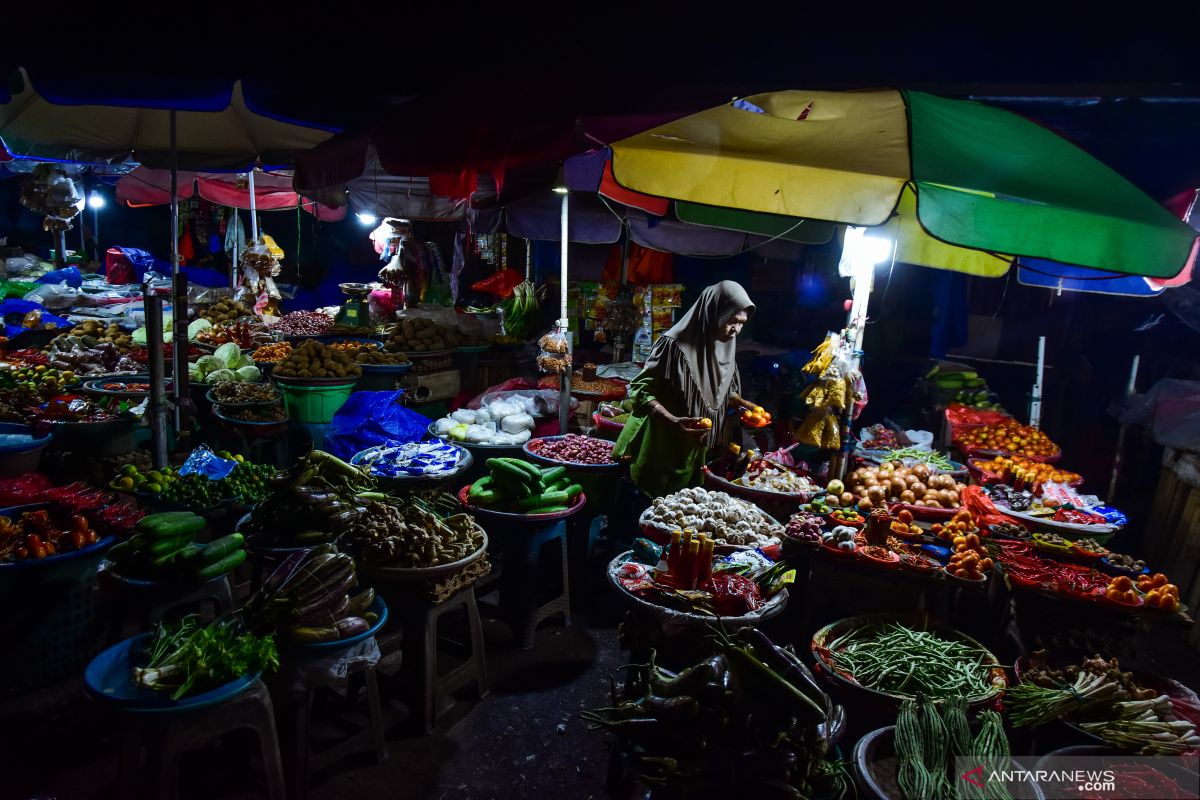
(689, 355)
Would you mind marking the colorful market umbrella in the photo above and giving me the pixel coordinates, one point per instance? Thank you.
(232, 139)
(1068, 278)
(975, 177)
(143, 186)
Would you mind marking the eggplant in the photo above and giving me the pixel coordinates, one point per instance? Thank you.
(341, 629)
(361, 602)
(327, 615)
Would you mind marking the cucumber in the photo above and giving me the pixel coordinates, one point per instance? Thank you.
(219, 548)
(171, 556)
(504, 469)
(558, 485)
(531, 470)
(547, 499)
(483, 483)
(484, 499)
(512, 488)
(227, 563)
(173, 527)
(160, 546)
(573, 491)
(551, 475)
(547, 510)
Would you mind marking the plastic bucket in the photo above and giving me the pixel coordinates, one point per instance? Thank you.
(314, 405)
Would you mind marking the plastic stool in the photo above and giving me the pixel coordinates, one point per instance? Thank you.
(167, 736)
(305, 760)
(139, 608)
(420, 640)
(521, 546)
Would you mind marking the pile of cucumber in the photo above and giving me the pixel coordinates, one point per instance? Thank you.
(164, 548)
(519, 487)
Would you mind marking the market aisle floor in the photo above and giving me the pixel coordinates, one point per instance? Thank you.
(522, 740)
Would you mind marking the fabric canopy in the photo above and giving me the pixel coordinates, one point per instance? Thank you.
(234, 138)
(272, 191)
(1067, 278)
(983, 178)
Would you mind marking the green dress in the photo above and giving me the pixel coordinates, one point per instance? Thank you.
(664, 459)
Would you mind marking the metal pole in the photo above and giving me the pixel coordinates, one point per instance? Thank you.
(1130, 389)
(528, 260)
(1035, 405)
(174, 163)
(96, 230)
(152, 303)
(625, 260)
(179, 361)
(253, 208)
(564, 392)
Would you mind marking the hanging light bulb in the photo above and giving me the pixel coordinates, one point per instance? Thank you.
(366, 218)
(95, 200)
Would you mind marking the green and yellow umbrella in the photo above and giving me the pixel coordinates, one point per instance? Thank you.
(969, 186)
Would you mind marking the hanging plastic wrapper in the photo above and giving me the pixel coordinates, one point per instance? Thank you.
(555, 355)
(259, 266)
(390, 240)
(204, 461)
(50, 191)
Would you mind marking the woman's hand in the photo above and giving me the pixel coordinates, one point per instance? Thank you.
(737, 400)
(693, 428)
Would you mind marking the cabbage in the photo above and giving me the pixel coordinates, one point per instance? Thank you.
(248, 374)
(194, 373)
(209, 364)
(222, 375)
(197, 326)
(139, 336)
(230, 355)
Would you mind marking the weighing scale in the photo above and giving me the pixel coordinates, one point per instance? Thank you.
(355, 312)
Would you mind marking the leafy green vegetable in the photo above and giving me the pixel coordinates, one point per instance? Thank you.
(222, 375)
(209, 364)
(249, 374)
(186, 658)
(229, 354)
(197, 326)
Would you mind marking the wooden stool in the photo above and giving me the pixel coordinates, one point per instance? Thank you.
(427, 688)
(165, 737)
(521, 548)
(304, 759)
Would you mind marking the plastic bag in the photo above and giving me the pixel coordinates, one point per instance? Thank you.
(1170, 411)
(499, 283)
(204, 461)
(515, 423)
(16, 288)
(68, 275)
(555, 355)
(368, 418)
(55, 295)
(534, 402)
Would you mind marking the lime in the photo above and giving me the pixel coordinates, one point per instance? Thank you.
(153, 488)
(129, 469)
(126, 482)
(154, 475)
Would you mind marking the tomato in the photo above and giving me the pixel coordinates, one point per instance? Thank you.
(1158, 579)
(1122, 583)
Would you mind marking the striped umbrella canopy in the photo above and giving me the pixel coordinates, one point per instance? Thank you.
(968, 186)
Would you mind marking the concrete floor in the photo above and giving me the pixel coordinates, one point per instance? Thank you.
(522, 740)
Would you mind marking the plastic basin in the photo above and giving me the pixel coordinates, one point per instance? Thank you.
(314, 405)
(18, 458)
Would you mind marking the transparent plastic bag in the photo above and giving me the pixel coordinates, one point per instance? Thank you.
(555, 352)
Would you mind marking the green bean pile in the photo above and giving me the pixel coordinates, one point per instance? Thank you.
(929, 737)
(903, 662)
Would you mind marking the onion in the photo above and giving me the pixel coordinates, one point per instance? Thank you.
(865, 504)
(875, 494)
(907, 496)
(847, 499)
(919, 489)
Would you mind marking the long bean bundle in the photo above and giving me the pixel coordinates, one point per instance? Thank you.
(900, 661)
(992, 744)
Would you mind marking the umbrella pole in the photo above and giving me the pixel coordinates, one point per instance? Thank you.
(564, 391)
(253, 207)
(152, 303)
(1130, 388)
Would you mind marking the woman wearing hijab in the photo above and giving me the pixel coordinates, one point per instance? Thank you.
(690, 376)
